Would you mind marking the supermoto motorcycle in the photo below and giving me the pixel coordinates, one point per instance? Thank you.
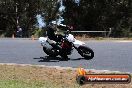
(66, 45)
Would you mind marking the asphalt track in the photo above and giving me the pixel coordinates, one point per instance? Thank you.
(109, 55)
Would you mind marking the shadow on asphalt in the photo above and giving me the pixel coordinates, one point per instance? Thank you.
(56, 59)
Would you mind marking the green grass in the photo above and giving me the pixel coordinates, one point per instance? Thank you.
(15, 84)
(22, 84)
(16, 76)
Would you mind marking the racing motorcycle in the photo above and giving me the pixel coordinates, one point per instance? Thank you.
(65, 47)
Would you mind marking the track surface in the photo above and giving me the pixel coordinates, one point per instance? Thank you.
(109, 55)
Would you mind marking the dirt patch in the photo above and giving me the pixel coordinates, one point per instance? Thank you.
(65, 78)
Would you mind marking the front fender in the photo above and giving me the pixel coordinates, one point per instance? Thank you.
(78, 43)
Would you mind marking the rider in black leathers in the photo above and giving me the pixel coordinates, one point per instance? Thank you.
(51, 32)
(53, 38)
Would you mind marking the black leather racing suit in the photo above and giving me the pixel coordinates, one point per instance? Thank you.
(51, 34)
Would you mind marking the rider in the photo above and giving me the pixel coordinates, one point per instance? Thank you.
(51, 32)
(53, 35)
(55, 32)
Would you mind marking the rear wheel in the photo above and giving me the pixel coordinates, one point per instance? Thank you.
(86, 52)
(64, 57)
(51, 52)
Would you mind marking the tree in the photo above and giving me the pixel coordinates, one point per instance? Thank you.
(23, 13)
(100, 15)
(49, 10)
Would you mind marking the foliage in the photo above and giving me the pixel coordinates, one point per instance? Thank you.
(25, 11)
(89, 15)
(98, 15)
(39, 33)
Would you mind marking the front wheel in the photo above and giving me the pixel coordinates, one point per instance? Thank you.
(86, 52)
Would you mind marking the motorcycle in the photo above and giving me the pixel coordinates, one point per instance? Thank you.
(66, 46)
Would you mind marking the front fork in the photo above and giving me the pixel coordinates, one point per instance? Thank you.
(75, 47)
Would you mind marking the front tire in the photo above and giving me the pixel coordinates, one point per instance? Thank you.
(86, 52)
(51, 52)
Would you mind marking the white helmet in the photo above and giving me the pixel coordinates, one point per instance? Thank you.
(52, 25)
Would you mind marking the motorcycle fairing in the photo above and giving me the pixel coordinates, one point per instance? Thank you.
(43, 42)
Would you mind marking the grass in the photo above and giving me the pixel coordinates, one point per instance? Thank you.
(25, 84)
(17, 76)
(33, 84)
(16, 84)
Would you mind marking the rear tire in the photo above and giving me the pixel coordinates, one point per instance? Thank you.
(64, 57)
(51, 52)
(86, 52)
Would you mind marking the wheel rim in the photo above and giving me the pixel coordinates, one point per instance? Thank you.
(52, 51)
(84, 52)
